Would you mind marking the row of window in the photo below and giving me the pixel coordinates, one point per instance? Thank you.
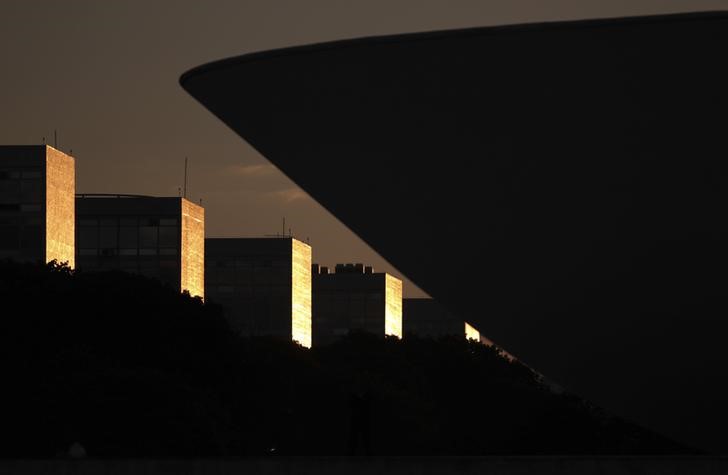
(21, 237)
(128, 237)
(11, 207)
(16, 174)
(13, 190)
(26, 220)
(170, 275)
(113, 252)
(248, 262)
(147, 261)
(255, 289)
(150, 221)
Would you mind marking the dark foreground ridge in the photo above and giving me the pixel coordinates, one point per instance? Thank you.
(116, 365)
(379, 466)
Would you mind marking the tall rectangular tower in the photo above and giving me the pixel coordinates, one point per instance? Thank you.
(37, 210)
(355, 298)
(264, 285)
(162, 238)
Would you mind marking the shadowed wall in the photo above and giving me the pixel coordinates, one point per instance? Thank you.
(563, 185)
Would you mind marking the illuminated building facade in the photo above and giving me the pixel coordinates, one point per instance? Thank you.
(471, 333)
(157, 237)
(37, 187)
(355, 298)
(264, 285)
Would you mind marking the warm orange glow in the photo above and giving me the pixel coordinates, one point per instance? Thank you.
(60, 216)
(393, 306)
(192, 276)
(301, 293)
(471, 333)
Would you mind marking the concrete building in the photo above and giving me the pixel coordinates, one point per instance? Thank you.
(426, 318)
(157, 237)
(264, 285)
(37, 187)
(355, 298)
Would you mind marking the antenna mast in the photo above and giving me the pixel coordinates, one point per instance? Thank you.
(184, 194)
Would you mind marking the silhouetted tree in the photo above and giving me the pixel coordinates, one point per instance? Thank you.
(121, 365)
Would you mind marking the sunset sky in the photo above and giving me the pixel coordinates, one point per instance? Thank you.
(105, 75)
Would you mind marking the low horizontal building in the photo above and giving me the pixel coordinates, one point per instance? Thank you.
(355, 298)
(37, 212)
(160, 237)
(426, 318)
(263, 284)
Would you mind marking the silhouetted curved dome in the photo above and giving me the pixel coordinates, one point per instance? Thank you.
(562, 186)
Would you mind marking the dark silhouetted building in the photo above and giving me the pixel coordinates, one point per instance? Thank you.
(264, 285)
(561, 185)
(355, 298)
(428, 319)
(37, 188)
(157, 237)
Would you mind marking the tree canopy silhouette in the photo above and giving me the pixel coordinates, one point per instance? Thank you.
(125, 366)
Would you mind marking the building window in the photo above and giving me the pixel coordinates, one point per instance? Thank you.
(9, 237)
(169, 236)
(32, 174)
(88, 237)
(32, 237)
(31, 191)
(108, 237)
(148, 236)
(128, 237)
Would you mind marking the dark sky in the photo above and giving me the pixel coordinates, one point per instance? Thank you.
(104, 73)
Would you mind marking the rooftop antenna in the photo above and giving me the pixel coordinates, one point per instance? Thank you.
(179, 191)
(184, 195)
(43, 140)
(284, 226)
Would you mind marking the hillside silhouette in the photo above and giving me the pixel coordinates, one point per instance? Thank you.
(124, 366)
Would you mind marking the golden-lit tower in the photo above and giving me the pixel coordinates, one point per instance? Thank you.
(192, 249)
(355, 298)
(160, 237)
(264, 285)
(37, 210)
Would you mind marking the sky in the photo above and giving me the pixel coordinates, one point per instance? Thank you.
(104, 74)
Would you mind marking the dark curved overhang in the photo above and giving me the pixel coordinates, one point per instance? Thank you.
(562, 186)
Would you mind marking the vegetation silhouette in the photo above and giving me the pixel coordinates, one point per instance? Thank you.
(119, 365)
